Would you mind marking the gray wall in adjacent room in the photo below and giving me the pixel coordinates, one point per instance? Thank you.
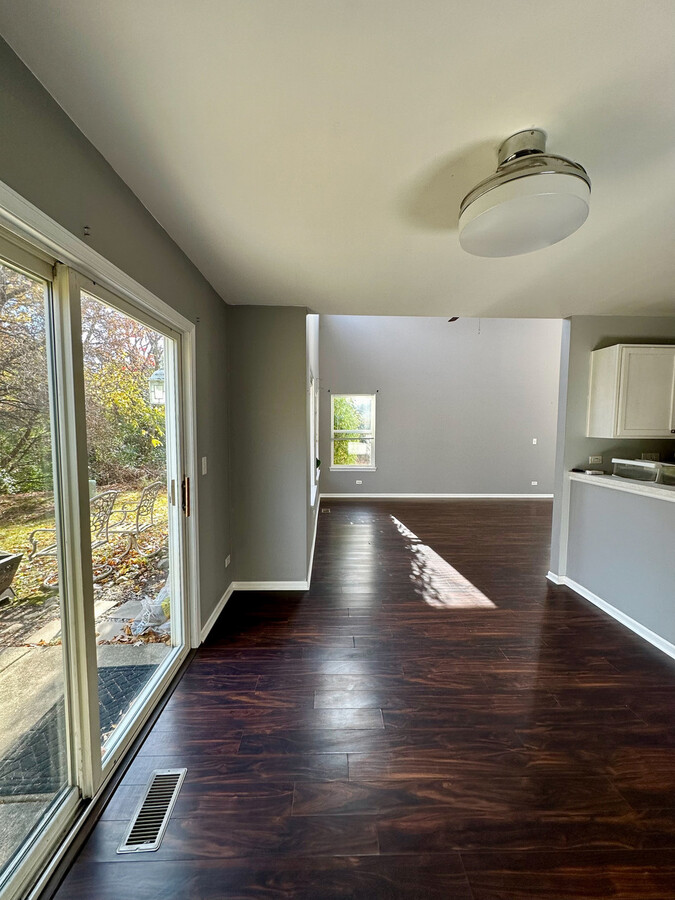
(458, 403)
(621, 549)
(268, 416)
(582, 335)
(46, 159)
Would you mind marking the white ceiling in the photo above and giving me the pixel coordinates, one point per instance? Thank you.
(314, 152)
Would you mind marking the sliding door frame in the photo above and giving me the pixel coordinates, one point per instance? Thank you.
(33, 235)
(179, 567)
(64, 806)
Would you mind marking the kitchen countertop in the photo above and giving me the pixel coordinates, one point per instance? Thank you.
(628, 485)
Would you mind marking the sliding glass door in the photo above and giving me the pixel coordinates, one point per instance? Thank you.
(34, 768)
(132, 423)
(94, 518)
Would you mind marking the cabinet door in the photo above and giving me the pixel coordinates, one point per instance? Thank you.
(646, 392)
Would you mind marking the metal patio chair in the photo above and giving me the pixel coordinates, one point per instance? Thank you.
(137, 518)
(100, 510)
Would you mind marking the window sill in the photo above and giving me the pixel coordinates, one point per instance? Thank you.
(353, 468)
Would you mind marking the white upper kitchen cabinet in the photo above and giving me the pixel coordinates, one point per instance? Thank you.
(632, 392)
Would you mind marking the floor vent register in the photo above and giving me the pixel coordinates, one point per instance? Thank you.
(148, 823)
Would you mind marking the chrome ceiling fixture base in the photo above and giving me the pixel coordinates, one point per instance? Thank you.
(533, 200)
(522, 143)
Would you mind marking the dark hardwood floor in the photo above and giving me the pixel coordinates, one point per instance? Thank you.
(433, 719)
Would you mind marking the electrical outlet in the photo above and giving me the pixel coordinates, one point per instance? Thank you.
(358, 481)
(595, 460)
(227, 561)
(534, 483)
(534, 440)
(652, 457)
(205, 467)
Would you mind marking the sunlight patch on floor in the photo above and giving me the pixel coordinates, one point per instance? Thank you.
(439, 583)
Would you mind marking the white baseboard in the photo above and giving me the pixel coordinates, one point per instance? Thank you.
(220, 606)
(641, 630)
(436, 496)
(270, 586)
(248, 586)
(311, 555)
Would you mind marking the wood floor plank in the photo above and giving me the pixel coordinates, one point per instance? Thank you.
(441, 829)
(265, 719)
(466, 796)
(593, 875)
(214, 770)
(213, 701)
(486, 760)
(309, 740)
(218, 836)
(438, 877)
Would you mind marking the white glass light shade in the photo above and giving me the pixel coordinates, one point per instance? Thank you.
(524, 214)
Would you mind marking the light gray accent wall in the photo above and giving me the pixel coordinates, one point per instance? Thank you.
(312, 351)
(588, 333)
(46, 159)
(458, 404)
(621, 549)
(268, 417)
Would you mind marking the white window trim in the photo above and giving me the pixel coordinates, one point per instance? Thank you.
(339, 468)
(313, 413)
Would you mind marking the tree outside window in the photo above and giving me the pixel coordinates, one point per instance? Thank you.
(353, 430)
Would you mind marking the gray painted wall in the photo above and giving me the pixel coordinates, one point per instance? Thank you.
(581, 335)
(46, 159)
(268, 417)
(621, 549)
(458, 404)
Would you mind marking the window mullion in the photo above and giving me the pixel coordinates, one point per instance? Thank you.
(78, 600)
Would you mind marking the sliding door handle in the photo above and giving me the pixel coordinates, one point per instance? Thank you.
(185, 496)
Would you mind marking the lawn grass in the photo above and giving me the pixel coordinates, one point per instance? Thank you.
(21, 514)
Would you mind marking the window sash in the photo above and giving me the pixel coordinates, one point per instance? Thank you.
(343, 433)
(357, 435)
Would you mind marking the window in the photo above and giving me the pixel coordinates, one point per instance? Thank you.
(352, 431)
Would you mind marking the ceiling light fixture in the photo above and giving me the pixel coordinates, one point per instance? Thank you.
(533, 200)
